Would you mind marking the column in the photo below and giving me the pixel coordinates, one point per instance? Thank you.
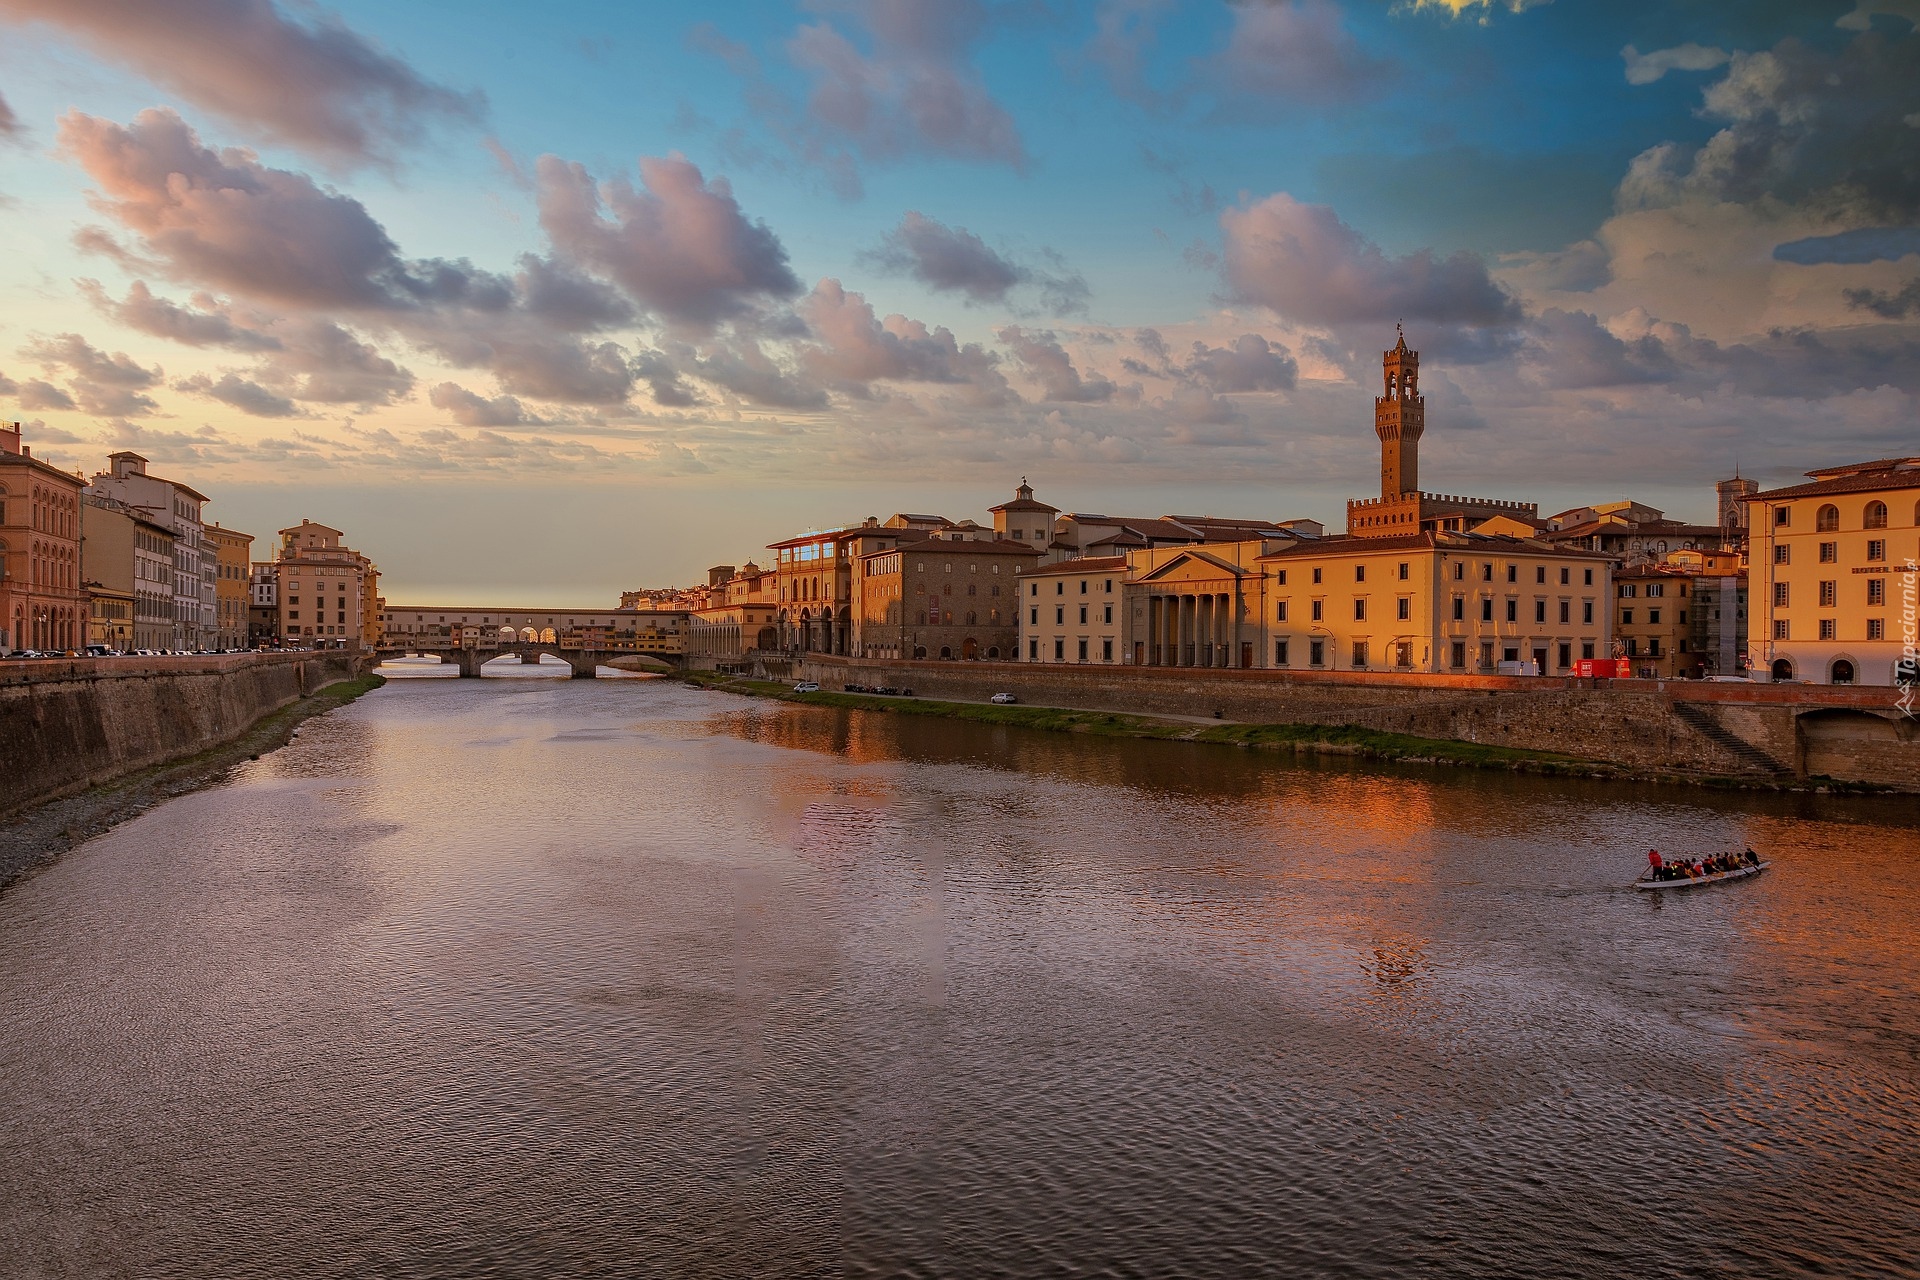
(1203, 629)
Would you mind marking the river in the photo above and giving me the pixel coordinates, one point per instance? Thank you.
(501, 978)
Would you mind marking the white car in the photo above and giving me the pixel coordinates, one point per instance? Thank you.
(806, 686)
(1003, 698)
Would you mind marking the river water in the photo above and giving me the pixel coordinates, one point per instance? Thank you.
(497, 979)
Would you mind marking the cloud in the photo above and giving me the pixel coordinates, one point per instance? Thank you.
(857, 347)
(1297, 50)
(1865, 11)
(210, 326)
(322, 363)
(470, 410)
(320, 87)
(225, 220)
(104, 385)
(1249, 363)
(568, 299)
(1890, 306)
(743, 367)
(1039, 353)
(1572, 350)
(232, 389)
(1645, 68)
(681, 248)
(1864, 244)
(1304, 263)
(1481, 9)
(955, 260)
(910, 92)
(10, 128)
(36, 395)
(1801, 125)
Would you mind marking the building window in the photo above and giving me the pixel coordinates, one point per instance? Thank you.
(1653, 617)
(1083, 651)
(1780, 629)
(1876, 591)
(1060, 588)
(1360, 653)
(1280, 577)
(1359, 573)
(1486, 573)
(1827, 628)
(1033, 650)
(1875, 517)
(1829, 553)
(1059, 615)
(1782, 593)
(1280, 612)
(1083, 615)
(1083, 586)
(1318, 609)
(1405, 608)
(1486, 609)
(1109, 614)
(1403, 571)
(1566, 608)
(1106, 651)
(1486, 653)
(1782, 553)
(1033, 588)
(1459, 570)
(1359, 610)
(1876, 629)
(1566, 656)
(1513, 573)
(1279, 653)
(1316, 575)
(1876, 549)
(1565, 575)
(1459, 608)
(1829, 594)
(1586, 649)
(1539, 610)
(1626, 617)
(1513, 610)
(1059, 650)
(1827, 519)
(1588, 581)
(1458, 657)
(1316, 653)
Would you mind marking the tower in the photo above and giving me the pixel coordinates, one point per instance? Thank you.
(1399, 419)
(1732, 495)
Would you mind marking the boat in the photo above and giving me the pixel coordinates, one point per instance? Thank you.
(1694, 882)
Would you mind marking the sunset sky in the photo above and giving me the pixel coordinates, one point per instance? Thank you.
(538, 302)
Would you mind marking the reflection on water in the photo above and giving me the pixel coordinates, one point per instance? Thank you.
(636, 979)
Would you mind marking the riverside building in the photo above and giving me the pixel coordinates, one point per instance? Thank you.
(324, 588)
(1835, 565)
(950, 596)
(177, 506)
(129, 564)
(232, 561)
(43, 602)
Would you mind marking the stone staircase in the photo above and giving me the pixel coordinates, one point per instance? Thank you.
(1703, 723)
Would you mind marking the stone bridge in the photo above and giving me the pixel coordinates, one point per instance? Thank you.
(585, 662)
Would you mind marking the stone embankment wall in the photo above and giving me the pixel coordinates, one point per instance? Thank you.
(1778, 731)
(66, 726)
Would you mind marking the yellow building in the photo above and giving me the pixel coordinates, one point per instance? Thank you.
(1835, 565)
(1074, 611)
(949, 596)
(1651, 626)
(1435, 602)
(233, 561)
(324, 590)
(739, 618)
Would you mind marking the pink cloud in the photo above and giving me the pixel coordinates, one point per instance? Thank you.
(321, 87)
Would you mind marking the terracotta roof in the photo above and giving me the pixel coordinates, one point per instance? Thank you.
(1086, 564)
(959, 546)
(1904, 477)
(1023, 504)
(1470, 543)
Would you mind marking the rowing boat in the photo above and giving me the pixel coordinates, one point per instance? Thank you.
(1694, 882)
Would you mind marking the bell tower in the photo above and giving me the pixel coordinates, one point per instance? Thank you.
(1400, 419)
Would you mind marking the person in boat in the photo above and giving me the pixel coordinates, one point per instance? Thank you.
(1656, 868)
(1752, 858)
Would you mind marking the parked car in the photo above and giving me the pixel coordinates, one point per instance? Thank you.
(1003, 699)
(886, 689)
(806, 686)
(100, 651)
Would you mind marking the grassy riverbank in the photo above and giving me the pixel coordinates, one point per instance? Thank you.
(1299, 739)
(51, 829)
(1307, 739)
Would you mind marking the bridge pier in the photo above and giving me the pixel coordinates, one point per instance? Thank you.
(586, 663)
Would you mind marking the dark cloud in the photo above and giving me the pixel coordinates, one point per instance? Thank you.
(741, 365)
(225, 220)
(1826, 129)
(9, 123)
(663, 381)
(1571, 350)
(1304, 263)
(317, 86)
(955, 260)
(1039, 352)
(232, 389)
(1865, 244)
(212, 325)
(470, 410)
(568, 299)
(1890, 306)
(322, 363)
(1297, 50)
(681, 247)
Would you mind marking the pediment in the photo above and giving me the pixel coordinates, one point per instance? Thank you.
(1193, 566)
